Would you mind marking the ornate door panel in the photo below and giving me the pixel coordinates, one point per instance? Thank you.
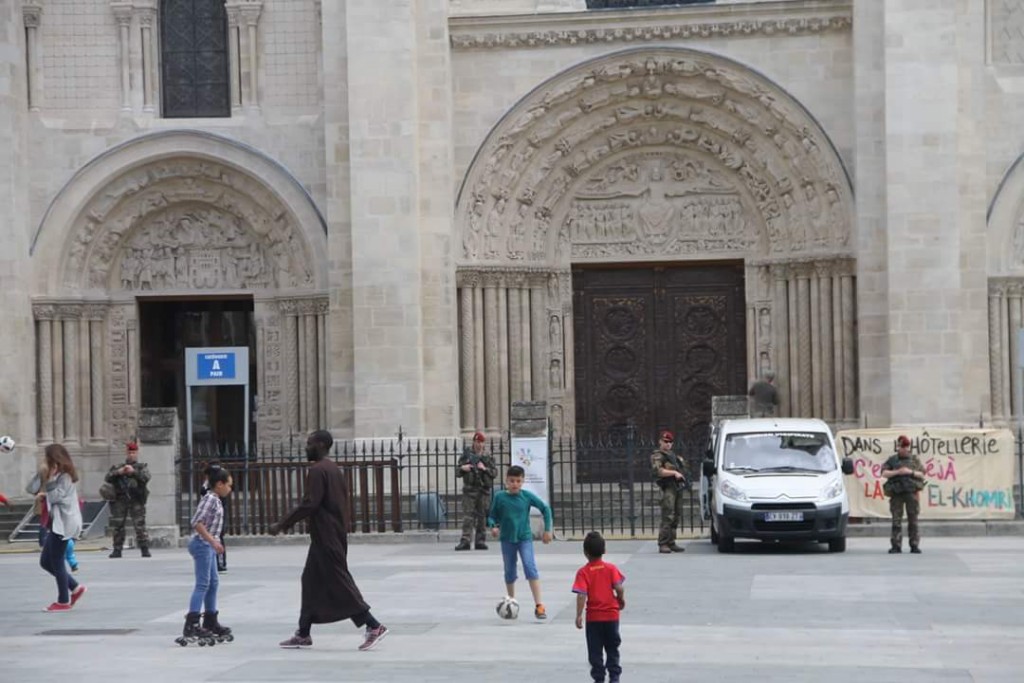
(615, 312)
(653, 345)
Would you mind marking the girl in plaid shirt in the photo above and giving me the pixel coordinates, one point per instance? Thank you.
(204, 548)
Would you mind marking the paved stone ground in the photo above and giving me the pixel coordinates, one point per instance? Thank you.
(767, 613)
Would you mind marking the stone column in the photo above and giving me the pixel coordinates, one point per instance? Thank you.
(996, 352)
(493, 416)
(804, 360)
(827, 348)
(780, 307)
(44, 355)
(234, 57)
(527, 330)
(84, 398)
(301, 378)
(250, 17)
(98, 363)
(58, 380)
(32, 13)
(123, 15)
(540, 355)
(467, 365)
(479, 396)
(515, 346)
(150, 64)
(850, 388)
(818, 406)
(311, 372)
(504, 361)
(291, 375)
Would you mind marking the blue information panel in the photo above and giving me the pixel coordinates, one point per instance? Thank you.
(215, 365)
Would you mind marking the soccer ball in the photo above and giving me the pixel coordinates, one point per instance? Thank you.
(507, 608)
(6, 444)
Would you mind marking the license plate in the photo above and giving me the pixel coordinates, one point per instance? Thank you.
(783, 516)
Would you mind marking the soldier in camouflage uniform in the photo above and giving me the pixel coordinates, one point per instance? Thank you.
(668, 470)
(904, 477)
(477, 471)
(129, 481)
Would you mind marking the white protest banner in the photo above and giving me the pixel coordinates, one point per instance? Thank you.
(969, 472)
(532, 455)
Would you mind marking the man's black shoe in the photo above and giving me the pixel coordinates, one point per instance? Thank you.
(481, 545)
(895, 551)
(145, 551)
(115, 553)
(915, 550)
(463, 545)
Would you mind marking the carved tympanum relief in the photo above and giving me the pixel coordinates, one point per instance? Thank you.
(186, 224)
(195, 248)
(658, 204)
(683, 143)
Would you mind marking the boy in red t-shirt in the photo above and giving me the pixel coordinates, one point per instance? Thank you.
(598, 586)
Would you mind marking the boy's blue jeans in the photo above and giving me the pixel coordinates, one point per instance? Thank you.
(205, 560)
(510, 551)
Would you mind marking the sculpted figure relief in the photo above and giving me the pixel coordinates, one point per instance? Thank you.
(664, 102)
(186, 223)
(194, 248)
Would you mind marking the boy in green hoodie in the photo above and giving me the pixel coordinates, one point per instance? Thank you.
(510, 514)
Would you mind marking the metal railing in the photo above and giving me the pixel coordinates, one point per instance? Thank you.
(410, 484)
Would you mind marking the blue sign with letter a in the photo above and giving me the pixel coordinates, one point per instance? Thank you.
(215, 366)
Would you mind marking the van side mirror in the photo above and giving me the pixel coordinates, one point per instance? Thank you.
(708, 468)
(847, 466)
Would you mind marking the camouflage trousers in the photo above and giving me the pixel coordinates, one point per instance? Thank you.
(119, 512)
(475, 504)
(671, 514)
(897, 502)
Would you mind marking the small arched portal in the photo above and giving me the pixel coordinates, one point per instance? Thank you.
(171, 240)
(660, 160)
(1005, 261)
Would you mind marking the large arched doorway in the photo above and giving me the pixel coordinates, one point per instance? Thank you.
(647, 159)
(172, 240)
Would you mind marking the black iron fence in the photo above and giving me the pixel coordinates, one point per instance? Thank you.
(401, 484)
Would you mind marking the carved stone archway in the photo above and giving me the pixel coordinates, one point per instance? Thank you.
(1006, 290)
(177, 214)
(655, 154)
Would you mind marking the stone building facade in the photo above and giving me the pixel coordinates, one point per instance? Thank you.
(431, 208)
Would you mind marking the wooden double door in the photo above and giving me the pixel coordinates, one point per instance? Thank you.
(653, 345)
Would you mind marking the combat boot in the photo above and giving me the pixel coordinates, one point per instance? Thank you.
(115, 553)
(463, 545)
(144, 549)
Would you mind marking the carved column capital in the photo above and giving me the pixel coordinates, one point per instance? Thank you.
(32, 14)
(122, 12)
(147, 16)
(233, 14)
(250, 11)
(311, 306)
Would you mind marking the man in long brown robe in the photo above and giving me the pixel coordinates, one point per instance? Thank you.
(329, 593)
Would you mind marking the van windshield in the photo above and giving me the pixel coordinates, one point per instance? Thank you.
(778, 452)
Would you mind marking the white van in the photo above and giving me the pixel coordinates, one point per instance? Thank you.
(775, 479)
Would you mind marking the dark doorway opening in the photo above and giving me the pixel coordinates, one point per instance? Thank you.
(653, 345)
(167, 328)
